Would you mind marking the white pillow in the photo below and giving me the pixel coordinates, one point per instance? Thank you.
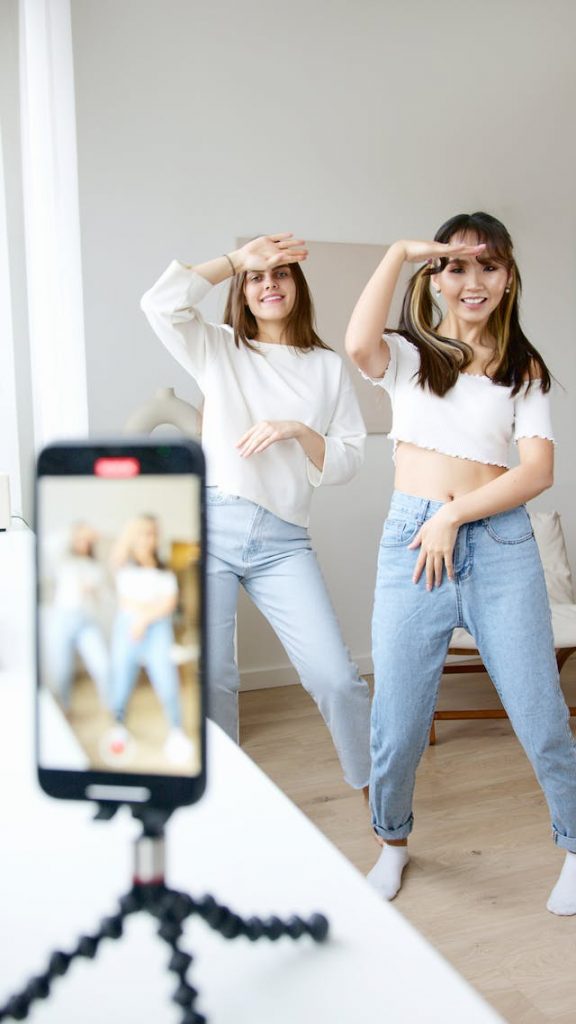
(550, 539)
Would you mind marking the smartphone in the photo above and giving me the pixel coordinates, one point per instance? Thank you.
(120, 570)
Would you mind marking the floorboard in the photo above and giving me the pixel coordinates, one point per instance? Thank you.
(483, 862)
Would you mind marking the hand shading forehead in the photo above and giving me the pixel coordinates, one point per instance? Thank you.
(491, 254)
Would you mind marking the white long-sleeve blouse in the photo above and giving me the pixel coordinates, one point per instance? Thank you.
(242, 386)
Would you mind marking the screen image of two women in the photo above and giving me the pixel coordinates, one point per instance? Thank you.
(133, 644)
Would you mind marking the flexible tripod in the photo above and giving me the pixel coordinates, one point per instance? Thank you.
(171, 909)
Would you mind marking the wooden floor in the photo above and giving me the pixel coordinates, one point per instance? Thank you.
(91, 720)
(483, 862)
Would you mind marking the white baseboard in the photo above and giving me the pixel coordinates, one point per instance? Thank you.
(286, 675)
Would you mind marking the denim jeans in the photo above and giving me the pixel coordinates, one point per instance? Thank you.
(72, 631)
(274, 562)
(151, 652)
(499, 596)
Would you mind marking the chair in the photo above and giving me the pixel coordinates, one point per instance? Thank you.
(550, 539)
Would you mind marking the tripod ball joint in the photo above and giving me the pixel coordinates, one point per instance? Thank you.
(318, 927)
(170, 931)
(180, 962)
(37, 988)
(58, 964)
(112, 927)
(16, 1008)
(88, 946)
(211, 911)
(274, 928)
(232, 926)
(175, 906)
(185, 995)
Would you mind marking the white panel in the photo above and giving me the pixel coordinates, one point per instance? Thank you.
(52, 222)
(9, 454)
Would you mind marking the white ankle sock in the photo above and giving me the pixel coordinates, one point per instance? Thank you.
(563, 896)
(386, 875)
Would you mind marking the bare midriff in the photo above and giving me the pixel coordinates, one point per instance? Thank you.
(429, 474)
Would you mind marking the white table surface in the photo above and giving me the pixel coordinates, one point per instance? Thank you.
(245, 843)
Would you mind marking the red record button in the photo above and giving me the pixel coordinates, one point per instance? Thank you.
(117, 468)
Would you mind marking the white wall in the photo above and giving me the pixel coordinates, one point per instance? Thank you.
(108, 505)
(199, 123)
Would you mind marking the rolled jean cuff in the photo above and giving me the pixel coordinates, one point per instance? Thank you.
(395, 833)
(566, 842)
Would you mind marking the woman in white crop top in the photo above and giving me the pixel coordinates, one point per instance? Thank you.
(457, 548)
(142, 637)
(279, 419)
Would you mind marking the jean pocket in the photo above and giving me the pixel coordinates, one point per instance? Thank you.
(398, 533)
(512, 527)
(216, 497)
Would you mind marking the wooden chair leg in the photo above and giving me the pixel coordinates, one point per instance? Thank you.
(562, 656)
(433, 733)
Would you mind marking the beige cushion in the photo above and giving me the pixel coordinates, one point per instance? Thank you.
(550, 539)
(564, 624)
(563, 627)
(461, 638)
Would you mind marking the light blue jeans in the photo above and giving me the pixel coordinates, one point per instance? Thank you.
(499, 596)
(73, 631)
(151, 652)
(274, 562)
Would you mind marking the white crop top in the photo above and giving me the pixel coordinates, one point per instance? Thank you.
(144, 584)
(476, 419)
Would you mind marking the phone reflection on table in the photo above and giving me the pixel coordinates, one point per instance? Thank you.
(119, 626)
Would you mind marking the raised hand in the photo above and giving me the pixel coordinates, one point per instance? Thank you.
(269, 251)
(260, 254)
(422, 252)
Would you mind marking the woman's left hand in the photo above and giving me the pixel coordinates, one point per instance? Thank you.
(436, 540)
(267, 432)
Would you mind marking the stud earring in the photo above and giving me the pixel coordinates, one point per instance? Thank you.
(507, 290)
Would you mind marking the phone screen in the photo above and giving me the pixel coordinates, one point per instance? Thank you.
(120, 619)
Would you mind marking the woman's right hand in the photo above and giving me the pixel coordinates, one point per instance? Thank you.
(422, 252)
(269, 251)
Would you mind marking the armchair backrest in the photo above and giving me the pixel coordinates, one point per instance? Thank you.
(552, 546)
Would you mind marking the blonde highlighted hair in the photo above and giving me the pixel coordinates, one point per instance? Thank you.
(515, 359)
(123, 550)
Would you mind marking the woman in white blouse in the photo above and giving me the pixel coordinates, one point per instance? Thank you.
(75, 625)
(457, 547)
(279, 418)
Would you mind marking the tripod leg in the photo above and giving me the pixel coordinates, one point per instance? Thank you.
(231, 925)
(172, 908)
(18, 1006)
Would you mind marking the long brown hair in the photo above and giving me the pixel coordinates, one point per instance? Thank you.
(515, 359)
(300, 324)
